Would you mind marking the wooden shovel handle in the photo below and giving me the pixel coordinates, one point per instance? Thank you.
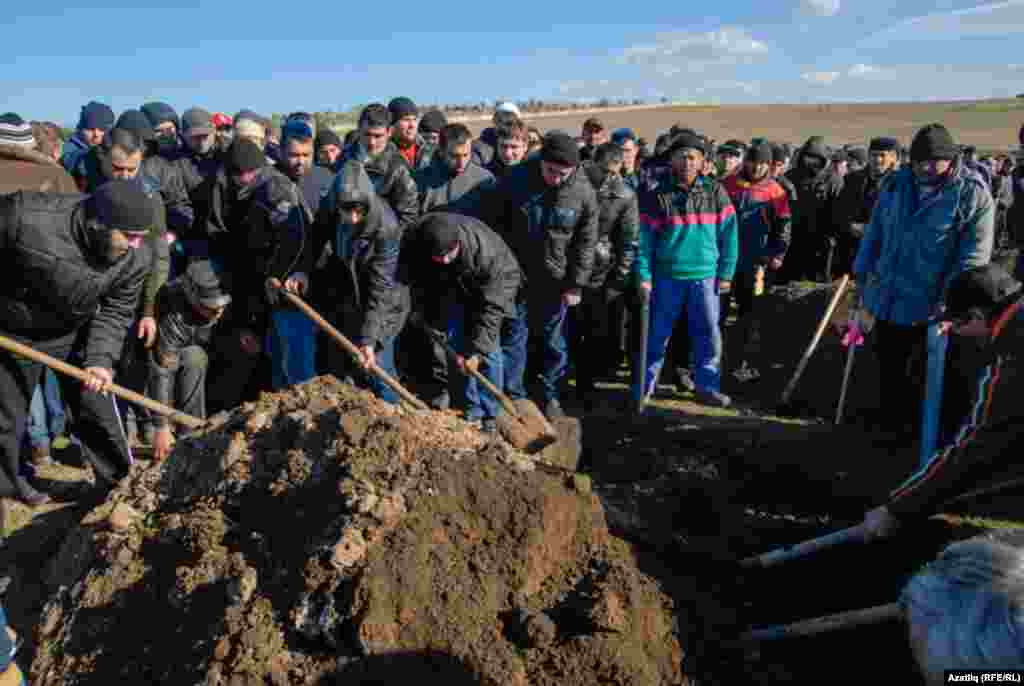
(505, 401)
(352, 350)
(822, 325)
(787, 553)
(820, 625)
(76, 373)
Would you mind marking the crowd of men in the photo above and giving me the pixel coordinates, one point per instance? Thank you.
(153, 250)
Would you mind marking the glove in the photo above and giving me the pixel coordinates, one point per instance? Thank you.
(853, 335)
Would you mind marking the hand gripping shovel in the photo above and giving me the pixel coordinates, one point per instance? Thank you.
(352, 350)
(56, 365)
(526, 427)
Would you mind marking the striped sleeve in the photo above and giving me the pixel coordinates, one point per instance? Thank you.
(649, 224)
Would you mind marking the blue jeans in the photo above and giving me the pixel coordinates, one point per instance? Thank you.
(699, 301)
(540, 326)
(292, 345)
(386, 361)
(1020, 266)
(480, 404)
(46, 415)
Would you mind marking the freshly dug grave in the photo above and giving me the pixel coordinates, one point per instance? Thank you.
(320, 535)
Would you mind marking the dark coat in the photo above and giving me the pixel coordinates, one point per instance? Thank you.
(55, 285)
(552, 231)
(618, 232)
(392, 179)
(466, 193)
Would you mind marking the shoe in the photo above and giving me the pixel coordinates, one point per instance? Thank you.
(29, 495)
(553, 410)
(684, 381)
(713, 398)
(41, 456)
(489, 426)
(441, 402)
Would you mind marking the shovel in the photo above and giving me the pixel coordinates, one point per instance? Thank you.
(826, 623)
(529, 430)
(62, 367)
(640, 365)
(352, 350)
(813, 345)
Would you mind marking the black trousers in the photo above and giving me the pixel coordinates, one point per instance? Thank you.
(233, 375)
(596, 335)
(902, 361)
(93, 417)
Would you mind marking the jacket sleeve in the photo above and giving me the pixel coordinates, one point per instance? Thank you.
(781, 225)
(110, 325)
(497, 291)
(844, 215)
(647, 249)
(584, 241)
(157, 275)
(382, 291)
(180, 215)
(728, 237)
(870, 249)
(405, 197)
(974, 248)
(625, 239)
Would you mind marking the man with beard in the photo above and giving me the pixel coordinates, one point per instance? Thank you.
(412, 146)
(431, 124)
(596, 326)
(328, 148)
(358, 239)
(763, 217)
(93, 123)
(166, 125)
(933, 220)
(453, 182)
(188, 308)
(817, 189)
(857, 199)
(74, 277)
(549, 216)
(257, 231)
(387, 169)
(511, 143)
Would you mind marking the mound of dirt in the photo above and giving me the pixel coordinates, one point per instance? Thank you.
(320, 535)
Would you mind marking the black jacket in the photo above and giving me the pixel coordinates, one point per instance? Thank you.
(54, 284)
(816, 195)
(1015, 211)
(178, 327)
(466, 193)
(484, 148)
(618, 230)
(855, 203)
(485, 278)
(552, 231)
(256, 232)
(392, 179)
(357, 276)
(195, 169)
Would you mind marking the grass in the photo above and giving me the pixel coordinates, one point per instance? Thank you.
(991, 106)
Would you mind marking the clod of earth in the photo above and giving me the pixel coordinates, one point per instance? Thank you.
(319, 533)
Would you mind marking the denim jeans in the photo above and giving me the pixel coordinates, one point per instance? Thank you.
(339, 363)
(46, 418)
(515, 337)
(698, 300)
(480, 404)
(292, 345)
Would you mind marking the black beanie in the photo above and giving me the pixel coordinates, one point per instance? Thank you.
(760, 153)
(433, 121)
(401, 107)
(884, 144)
(121, 204)
(933, 142)
(327, 137)
(988, 288)
(440, 234)
(136, 122)
(96, 115)
(560, 148)
(684, 140)
(159, 113)
(779, 152)
(245, 156)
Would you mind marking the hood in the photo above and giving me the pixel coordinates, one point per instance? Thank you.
(353, 185)
(159, 112)
(20, 154)
(815, 146)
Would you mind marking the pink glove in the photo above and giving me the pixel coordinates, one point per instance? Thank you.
(854, 336)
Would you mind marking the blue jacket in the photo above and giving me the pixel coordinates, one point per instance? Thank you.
(73, 151)
(912, 249)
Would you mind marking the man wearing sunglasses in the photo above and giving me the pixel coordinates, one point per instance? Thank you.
(933, 220)
(74, 277)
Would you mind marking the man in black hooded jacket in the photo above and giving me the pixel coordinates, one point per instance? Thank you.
(74, 277)
(813, 237)
(355, 284)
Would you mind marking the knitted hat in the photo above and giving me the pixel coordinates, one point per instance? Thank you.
(933, 142)
(327, 137)
(560, 148)
(159, 113)
(203, 285)
(197, 122)
(759, 154)
(402, 107)
(620, 136)
(440, 234)
(987, 288)
(245, 156)
(433, 121)
(779, 152)
(884, 144)
(122, 205)
(15, 131)
(687, 140)
(96, 115)
(732, 147)
(136, 122)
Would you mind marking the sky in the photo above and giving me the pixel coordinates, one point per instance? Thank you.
(317, 55)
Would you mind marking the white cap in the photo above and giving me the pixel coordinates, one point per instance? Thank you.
(507, 107)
